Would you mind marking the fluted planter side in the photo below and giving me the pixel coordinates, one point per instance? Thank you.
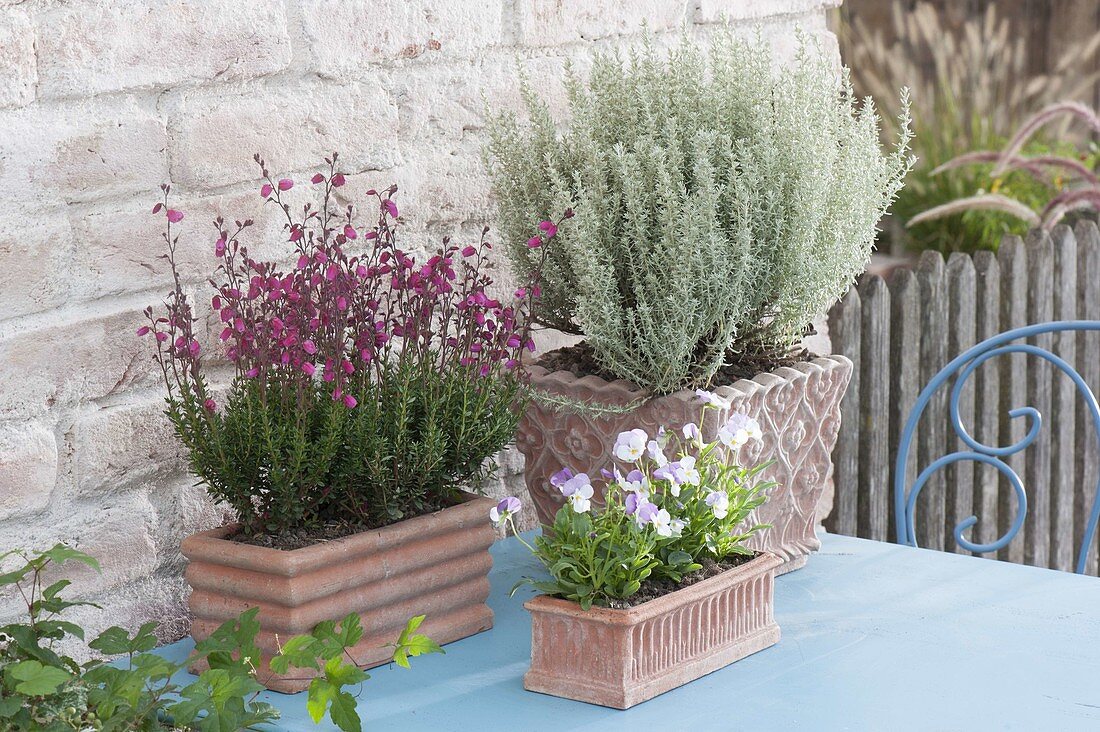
(435, 565)
(798, 408)
(619, 658)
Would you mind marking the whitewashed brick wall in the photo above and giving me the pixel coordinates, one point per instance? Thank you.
(101, 102)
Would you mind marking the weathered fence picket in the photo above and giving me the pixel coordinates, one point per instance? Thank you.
(987, 390)
(1063, 405)
(874, 455)
(1087, 463)
(899, 333)
(961, 318)
(1040, 309)
(905, 384)
(932, 438)
(1014, 369)
(846, 322)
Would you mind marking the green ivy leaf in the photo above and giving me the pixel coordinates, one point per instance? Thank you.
(36, 679)
(344, 713)
(320, 696)
(301, 651)
(61, 553)
(10, 706)
(115, 641)
(351, 630)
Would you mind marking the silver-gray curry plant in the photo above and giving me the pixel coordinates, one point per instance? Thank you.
(722, 202)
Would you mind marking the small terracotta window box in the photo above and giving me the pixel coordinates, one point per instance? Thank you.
(435, 565)
(619, 658)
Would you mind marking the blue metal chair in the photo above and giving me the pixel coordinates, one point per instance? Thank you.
(905, 497)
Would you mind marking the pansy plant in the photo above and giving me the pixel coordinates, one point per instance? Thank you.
(671, 501)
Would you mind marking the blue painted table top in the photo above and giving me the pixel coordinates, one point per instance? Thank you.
(875, 637)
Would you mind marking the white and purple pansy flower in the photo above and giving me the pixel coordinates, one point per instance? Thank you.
(504, 510)
(738, 430)
(710, 399)
(630, 446)
(578, 490)
(558, 479)
(635, 482)
(656, 452)
(677, 526)
(668, 473)
(719, 503)
(645, 512)
(686, 472)
(692, 433)
(662, 522)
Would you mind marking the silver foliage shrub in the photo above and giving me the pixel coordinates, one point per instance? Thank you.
(720, 205)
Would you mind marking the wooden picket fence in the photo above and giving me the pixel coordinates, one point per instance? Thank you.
(900, 331)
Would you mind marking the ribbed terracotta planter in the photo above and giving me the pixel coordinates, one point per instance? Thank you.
(798, 409)
(435, 565)
(619, 658)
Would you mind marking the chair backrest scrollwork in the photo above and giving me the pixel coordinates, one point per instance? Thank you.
(961, 368)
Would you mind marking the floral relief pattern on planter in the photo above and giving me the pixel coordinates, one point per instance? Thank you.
(435, 565)
(798, 408)
(619, 658)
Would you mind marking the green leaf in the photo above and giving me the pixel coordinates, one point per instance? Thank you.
(115, 641)
(23, 638)
(411, 643)
(677, 558)
(321, 693)
(344, 713)
(341, 673)
(36, 679)
(351, 630)
(61, 553)
(301, 651)
(10, 706)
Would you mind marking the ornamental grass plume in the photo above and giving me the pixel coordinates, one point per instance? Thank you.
(972, 87)
(1072, 185)
(719, 207)
(368, 387)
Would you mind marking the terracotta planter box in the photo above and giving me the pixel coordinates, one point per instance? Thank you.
(435, 565)
(619, 658)
(798, 409)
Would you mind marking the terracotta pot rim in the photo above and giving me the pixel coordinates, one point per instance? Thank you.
(761, 564)
(212, 546)
(541, 377)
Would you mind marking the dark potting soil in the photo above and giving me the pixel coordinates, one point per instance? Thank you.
(652, 589)
(580, 360)
(328, 531)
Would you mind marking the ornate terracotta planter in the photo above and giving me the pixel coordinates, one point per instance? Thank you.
(435, 565)
(619, 658)
(798, 409)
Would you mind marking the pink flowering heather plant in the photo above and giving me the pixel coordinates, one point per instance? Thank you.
(672, 503)
(369, 386)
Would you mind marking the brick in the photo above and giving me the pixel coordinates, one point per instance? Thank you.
(472, 87)
(346, 34)
(17, 49)
(122, 250)
(554, 22)
(719, 11)
(28, 469)
(27, 285)
(54, 154)
(119, 446)
(294, 128)
(88, 357)
(91, 48)
(117, 531)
